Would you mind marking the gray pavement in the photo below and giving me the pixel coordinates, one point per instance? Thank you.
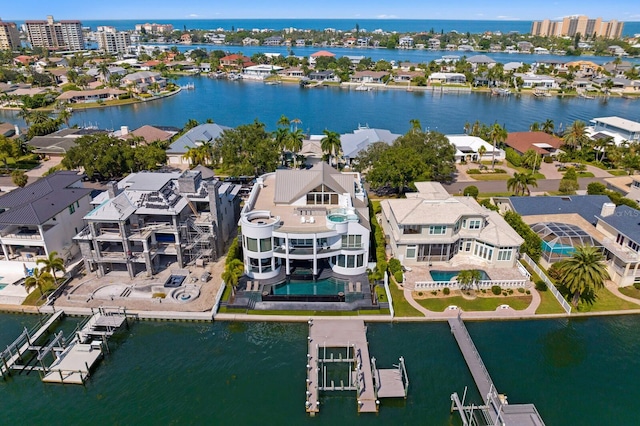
(544, 185)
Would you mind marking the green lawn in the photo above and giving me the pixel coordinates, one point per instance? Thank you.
(479, 304)
(34, 299)
(585, 175)
(607, 301)
(401, 307)
(226, 310)
(536, 175)
(494, 194)
(630, 291)
(548, 304)
(618, 172)
(490, 176)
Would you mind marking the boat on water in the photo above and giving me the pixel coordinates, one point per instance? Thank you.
(273, 82)
(188, 86)
(500, 92)
(585, 96)
(363, 88)
(234, 76)
(541, 93)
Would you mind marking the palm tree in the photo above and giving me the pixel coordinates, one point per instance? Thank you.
(584, 272)
(232, 272)
(548, 126)
(520, 182)
(497, 134)
(281, 137)
(576, 135)
(52, 264)
(283, 121)
(331, 144)
(481, 151)
(530, 159)
(416, 126)
(103, 69)
(294, 143)
(193, 155)
(206, 152)
(65, 115)
(40, 279)
(535, 127)
(469, 277)
(295, 123)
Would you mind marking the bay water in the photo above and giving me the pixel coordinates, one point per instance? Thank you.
(576, 372)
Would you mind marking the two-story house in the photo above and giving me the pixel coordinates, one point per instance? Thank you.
(432, 227)
(41, 218)
(148, 221)
(306, 222)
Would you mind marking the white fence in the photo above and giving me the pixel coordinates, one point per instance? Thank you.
(388, 291)
(484, 284)
(561, 300)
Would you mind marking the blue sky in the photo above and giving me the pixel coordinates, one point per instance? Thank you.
(623, 10)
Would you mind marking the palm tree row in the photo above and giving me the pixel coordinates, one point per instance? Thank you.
(520, 183)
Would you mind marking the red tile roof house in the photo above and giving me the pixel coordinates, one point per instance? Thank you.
(541, 142)
(233, 61)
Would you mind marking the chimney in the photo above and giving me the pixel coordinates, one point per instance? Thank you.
(112, 189)
(124, 130)
(189, 182)
(607, 209)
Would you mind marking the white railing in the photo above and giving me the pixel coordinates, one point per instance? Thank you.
(389, 298)
(484, 284)
(561, 300)
(216, 305)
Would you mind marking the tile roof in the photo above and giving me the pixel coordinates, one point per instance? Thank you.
(523, 141)
(150, 134)
(38, 202)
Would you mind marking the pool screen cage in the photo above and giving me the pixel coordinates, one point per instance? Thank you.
(560, 239)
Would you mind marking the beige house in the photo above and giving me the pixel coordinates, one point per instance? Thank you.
(432, 227)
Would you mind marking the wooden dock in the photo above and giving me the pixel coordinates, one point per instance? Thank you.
(369, 383)
(496, 410)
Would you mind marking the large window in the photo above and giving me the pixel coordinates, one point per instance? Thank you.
(483, 250)
(474, 224)
(437, 230)
(351, 241)
(411, 252)
(322, 195)
(252, 244)
(349, 261)
(505, 254)
(265, 244)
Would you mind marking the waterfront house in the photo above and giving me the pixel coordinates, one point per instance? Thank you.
(480, 60)
(87, 96)
(377, 77)
(319, 54)
(260, 72)
(141, 81)
(620, 129)
(151, 220)
(542, 143)
(405, 42)
(433, 44)
(524, 46)
(207, 132)
(361, 139)
(235, 61)
(326, 75)
(292, 72)
(147, 133)
(406, 76)
(532, 81)
(447, 78)
(41, 218)
(468, 149)
(566, 222)
(434, 228)
(306, 222)
(273, 41)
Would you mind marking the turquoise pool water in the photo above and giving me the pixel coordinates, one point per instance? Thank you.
(329, 286)
(447, 275)
(2, 286)
(558, 249)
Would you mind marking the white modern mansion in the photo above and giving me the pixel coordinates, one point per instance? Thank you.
(432, 227)
(306, 222)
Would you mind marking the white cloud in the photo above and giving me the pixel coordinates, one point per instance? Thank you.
(193, 15)
(479, 14)
(386, 17)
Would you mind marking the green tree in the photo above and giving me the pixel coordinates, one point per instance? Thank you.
(548, 126)
(247, 150)
(468, 278)
(532, 242)
(471, 191)
(583, 273)
(369, 156)
(41, 280)
(281, 138)
(19, 178)
(576, 135)
(520, 183)
(52, 264)
(531, 159)
(497, 134)
(596, 188)
(232, 272)
(331, 145)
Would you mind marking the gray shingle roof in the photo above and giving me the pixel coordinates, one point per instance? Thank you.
(38, 202)
(626, 220)
(202, 133)
(360, 139)
(587, 206)
(293, 184)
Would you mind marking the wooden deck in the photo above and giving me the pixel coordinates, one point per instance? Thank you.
(340, 334)
(74, 364)
(390, 384)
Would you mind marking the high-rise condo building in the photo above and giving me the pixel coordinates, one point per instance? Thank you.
(572, 25)
(112, 41)
(52, 35)
(9, 36)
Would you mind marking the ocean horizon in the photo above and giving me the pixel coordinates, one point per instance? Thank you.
(398, 25)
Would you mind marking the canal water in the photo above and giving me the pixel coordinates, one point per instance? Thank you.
(577, 372)
(232, 103)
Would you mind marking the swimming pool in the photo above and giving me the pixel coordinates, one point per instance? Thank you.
(558, 248)
(328, 286)
(448, 275)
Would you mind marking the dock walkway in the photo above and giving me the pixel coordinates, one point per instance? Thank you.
(496, 410)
